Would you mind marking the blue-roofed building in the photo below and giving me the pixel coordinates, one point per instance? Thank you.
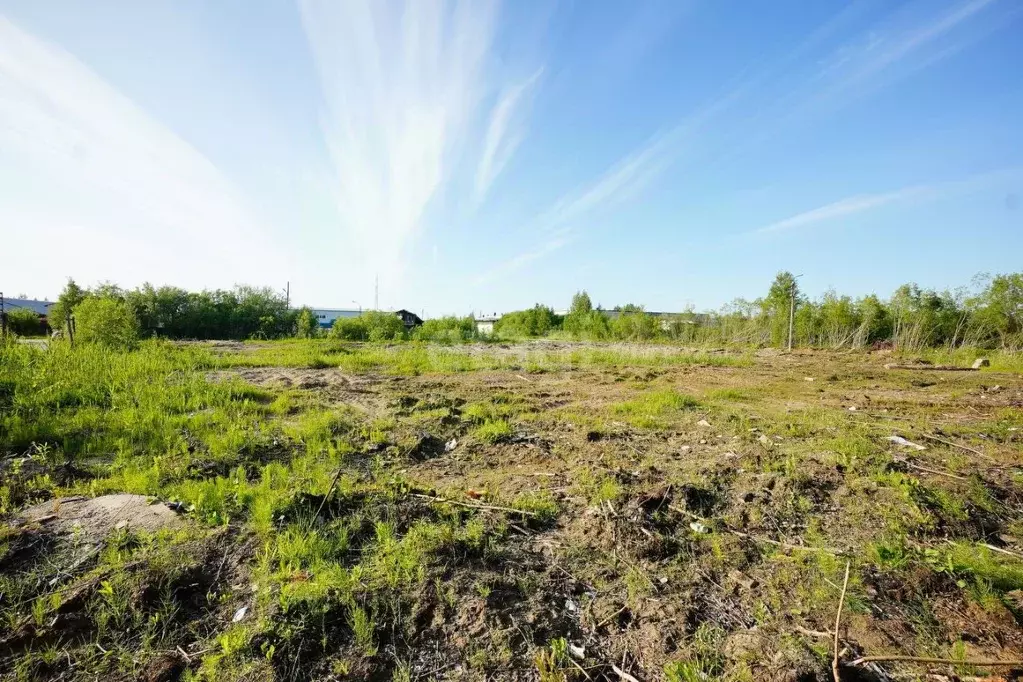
(40, 308)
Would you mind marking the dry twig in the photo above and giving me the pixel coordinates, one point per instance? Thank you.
(954, 445)
(838, 622)
(923, 659)
(470, 505)
(622, 674)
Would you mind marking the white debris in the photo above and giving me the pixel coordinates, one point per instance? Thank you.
(239, 614)
(450, 445)
(808, 379)
(704, 423)
(899, 440)
(981, 362)
(576, 651)
(570, 606)
(698, 527)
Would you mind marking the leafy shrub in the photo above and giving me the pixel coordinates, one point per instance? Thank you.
(369, 326)
(306, 325)
(106, 321)
(447, 330)
(24, 322)
(537, 321)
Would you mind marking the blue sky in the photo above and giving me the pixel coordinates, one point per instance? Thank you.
(481, 157)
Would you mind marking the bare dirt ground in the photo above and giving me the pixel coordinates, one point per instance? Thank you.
(648, 521)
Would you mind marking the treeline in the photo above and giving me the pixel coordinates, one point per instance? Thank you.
(240, 313)
(120, 317)
(987, 314)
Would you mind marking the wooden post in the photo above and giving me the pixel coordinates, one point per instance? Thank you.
(792, 310)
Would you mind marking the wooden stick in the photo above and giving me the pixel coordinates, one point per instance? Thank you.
(937, 368)
(470, 505)
(585, 674)
(785, 545)
(954, 445)
(922, 659)
(935, 471)
(622, 674)
(333, 483)
(756, 538)
(1001, 551)
(838, 622)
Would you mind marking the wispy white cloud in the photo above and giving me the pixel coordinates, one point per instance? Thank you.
(898, 47)
(844, 208)
(89, 178)
(862, 203)
(502, 137)
(512, 264)
(404, 83)
(623, 181)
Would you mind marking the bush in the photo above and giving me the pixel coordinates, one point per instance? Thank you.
(369, 326)
(537, 321)
(106, 321)
(447, 330)
(24, 322)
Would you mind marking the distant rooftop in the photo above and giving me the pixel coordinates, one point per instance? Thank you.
(38, 307)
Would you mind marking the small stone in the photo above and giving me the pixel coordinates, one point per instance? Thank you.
(703, 441)
(852, 408)
(685, 448)
(704, 423)
(450, 445)
(808, 379)
(698, 527)
(981, 362)
(570, 606)
(576, 651)
(121, 525)
(663, 580)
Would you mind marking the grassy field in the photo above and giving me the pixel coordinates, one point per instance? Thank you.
(548, 511)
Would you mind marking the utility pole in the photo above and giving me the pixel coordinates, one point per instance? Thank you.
(792, 308)
(287, 294)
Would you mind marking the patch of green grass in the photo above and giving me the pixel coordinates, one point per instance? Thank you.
(647, 410)
(493, 431)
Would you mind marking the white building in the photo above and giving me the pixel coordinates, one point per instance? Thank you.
(326, 316)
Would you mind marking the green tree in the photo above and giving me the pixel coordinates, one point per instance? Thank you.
(537, 321)
(1001, 309)
(106, 321)
(777, 304)
(306, 326)
(69, 298)
(581, 304)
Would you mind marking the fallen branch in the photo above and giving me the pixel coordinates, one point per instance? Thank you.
(1001, 551)
(757, 538)
(622, 674)
(935, 471)
(821, 634)
(954, 445)
(611, 617)
(785, 545)
(470, 505)
(838, 622)
(947, 661)
(940, 368)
